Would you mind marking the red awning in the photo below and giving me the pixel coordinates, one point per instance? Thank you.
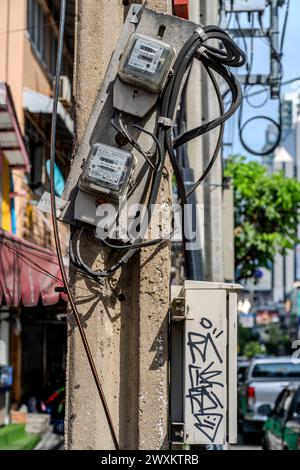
(28, 273)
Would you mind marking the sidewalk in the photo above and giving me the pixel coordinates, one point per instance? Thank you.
(51, 441)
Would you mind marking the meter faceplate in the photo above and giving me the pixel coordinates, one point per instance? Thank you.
(107, 171)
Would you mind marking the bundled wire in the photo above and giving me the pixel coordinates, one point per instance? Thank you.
(215, 61)
(277, 55)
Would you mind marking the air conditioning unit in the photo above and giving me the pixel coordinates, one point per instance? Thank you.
(245, 5)
(64, 90)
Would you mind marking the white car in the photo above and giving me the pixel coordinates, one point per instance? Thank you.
(265, 378)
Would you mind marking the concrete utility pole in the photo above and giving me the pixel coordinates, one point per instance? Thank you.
(213, 187)
(126, 320)
(200, 151)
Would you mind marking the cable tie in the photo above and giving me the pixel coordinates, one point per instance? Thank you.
(202, 33)
(167, 122)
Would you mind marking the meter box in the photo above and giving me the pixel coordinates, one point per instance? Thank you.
(146, 62)
(245, 5)
(204, 363)
(107, 171)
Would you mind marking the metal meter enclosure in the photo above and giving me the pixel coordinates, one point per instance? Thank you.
(204, 363)
(107, 171)
(146, 62)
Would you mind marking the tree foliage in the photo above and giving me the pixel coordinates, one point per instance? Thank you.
(253, 348)
(266, 215)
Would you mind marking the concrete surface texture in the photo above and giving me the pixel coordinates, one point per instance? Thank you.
(128, 337)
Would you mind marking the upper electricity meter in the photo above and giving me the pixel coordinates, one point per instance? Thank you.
(146, 62)
(107, 171)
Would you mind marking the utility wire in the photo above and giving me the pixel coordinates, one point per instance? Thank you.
(10, 245)
(216, 60)
(286, 82)
(277, 124)
(56, 233)
(277, 55)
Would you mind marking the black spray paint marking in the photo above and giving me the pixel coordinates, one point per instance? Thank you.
(204, 377)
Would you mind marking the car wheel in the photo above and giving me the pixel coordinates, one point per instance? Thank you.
(265, 445)
(248, 438)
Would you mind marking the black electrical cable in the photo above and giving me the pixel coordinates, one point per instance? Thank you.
(285, 82)
(156, 176)
(214, 60)
(219, 140)
(285, 22)
(274, 145)
(277, 124)
(55, 226)
(237, 19)
(182, 193)
(125, 133)
(189, 135)
(247, 96)
(236, 91)
(132, 249)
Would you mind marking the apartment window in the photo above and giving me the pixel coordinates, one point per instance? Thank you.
(42, 36)
(37, 149)
(36, 21)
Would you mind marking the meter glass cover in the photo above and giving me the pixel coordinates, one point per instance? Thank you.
(146, 62)
(107, 170)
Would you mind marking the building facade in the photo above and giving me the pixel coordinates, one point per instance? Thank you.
(30, 324)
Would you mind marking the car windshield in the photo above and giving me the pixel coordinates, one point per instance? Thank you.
(277, 370)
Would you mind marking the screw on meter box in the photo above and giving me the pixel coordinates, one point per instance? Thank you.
(107, 171)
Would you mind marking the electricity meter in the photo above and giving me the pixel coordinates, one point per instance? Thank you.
(107, 171)
(146, 62)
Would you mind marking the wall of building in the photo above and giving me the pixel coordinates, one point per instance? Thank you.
(285, 267)
(12, 39)
(21, 67)
(35, 77)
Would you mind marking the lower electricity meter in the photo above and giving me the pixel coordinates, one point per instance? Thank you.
(107, 171)
(146, 62)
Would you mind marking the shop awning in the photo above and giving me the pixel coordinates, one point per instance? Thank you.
(37, 103)
(28, 273)
(11, 141)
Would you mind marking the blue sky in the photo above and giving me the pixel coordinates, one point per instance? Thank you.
(255, 132)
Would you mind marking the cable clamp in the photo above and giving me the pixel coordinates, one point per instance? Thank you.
(202, 33)
(167, 122)
(200, 51)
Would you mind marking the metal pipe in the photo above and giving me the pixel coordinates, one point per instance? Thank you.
(274, 50)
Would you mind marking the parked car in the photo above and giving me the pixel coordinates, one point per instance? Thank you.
(282, 428)
(265, 378)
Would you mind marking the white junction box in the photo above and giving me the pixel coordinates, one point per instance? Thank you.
(245, 5)
(204, 363)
